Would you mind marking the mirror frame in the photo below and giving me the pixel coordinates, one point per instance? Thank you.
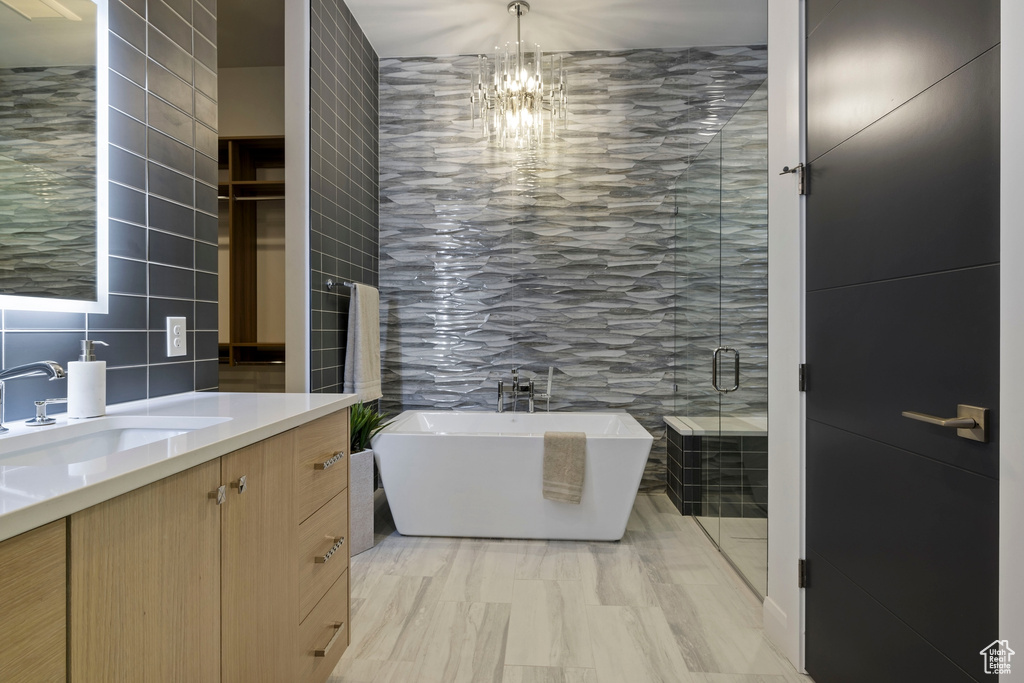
(31, 303)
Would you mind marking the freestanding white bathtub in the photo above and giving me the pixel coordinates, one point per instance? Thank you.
(479, 474)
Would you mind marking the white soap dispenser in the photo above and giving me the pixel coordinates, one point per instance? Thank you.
(87, 384)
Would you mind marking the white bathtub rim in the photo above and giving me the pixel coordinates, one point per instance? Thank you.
(398, 426)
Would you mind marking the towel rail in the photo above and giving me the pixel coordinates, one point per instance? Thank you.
(331, 284)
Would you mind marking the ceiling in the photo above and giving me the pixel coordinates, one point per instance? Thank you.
(405, 28)
(48, 42)
(250, 32)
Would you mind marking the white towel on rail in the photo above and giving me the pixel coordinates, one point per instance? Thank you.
(362, 352)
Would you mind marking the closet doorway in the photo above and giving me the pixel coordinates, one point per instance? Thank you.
(251, 264)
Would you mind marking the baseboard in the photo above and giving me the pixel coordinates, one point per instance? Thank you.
(777, 628)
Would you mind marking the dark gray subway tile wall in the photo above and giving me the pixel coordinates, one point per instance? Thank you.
(561, 257)
(163, 235)
(344, 195)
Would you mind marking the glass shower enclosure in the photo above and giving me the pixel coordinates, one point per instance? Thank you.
(721, 355)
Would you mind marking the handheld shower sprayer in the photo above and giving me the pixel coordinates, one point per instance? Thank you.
(551, 372)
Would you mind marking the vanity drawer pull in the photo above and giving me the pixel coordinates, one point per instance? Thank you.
(220, 494)
(240, 484)
(338, 542)
(328, 463)
(338, 626)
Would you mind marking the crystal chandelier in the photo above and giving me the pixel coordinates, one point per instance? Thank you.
(511, 96)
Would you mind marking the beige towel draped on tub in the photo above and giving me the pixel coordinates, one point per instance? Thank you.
(362, 355)
(565, 458)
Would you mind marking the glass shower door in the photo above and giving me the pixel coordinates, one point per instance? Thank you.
(743, 311)
(698, 329)
(721, 338)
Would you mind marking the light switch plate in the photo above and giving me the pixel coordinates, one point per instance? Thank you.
(177, 341)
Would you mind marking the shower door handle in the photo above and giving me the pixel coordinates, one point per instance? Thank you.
(714, 370)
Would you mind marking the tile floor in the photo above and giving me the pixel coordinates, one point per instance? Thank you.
(660, 605)
(746, 543)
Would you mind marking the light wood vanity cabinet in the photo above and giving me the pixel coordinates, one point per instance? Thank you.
(258, 578)
(322, 514)
(145, 583)
(33, 603)
(209, 575)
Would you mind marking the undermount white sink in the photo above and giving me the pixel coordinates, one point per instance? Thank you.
(79, 442)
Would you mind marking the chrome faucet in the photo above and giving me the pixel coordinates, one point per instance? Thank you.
(527, 389)
(43, 368)
(515, 390)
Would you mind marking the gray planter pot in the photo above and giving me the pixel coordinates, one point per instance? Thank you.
(360, 501)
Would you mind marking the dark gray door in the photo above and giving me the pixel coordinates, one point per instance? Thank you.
(902, 315)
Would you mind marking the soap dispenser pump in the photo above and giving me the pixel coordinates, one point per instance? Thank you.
(87, 383)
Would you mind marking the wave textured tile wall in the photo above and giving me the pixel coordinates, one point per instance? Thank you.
(48, 181)
(562, 256)
(722, 268)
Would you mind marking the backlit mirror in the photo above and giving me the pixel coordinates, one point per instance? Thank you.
(53, 160)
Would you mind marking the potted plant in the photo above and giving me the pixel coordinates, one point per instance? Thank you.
(364, 423)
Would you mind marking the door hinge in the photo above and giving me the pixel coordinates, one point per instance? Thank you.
(800, 170)
(801, 581)
(801, 382)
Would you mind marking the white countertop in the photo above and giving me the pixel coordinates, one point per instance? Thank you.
(719, 426)
(36, 494)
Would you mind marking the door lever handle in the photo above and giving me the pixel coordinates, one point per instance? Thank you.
(970, 422)
(955, 422)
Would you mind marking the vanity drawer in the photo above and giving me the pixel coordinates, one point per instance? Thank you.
(322, 473)
(324, 634)
(319, 568)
